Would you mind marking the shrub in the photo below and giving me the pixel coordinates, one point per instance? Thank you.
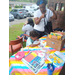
(9, 6)
(18, 6)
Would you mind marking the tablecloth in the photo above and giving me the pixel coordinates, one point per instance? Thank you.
(17, 67)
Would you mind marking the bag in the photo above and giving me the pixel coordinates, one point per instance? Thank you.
(48, 27)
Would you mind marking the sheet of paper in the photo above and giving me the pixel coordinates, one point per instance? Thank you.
(36, 42)
(60, 55)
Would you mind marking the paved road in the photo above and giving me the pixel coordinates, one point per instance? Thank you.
(16, 21)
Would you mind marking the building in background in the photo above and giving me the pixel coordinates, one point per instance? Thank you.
(59, 8)
(13, 3)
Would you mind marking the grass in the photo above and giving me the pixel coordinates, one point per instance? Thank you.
(10, 9)
(14, 31)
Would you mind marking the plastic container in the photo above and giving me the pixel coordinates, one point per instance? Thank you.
(19, 55)
(50, 69)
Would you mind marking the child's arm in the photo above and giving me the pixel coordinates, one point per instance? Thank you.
(33, 45)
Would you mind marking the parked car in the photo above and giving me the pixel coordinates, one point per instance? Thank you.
(34, 6)
(11, 17)
(30, 12)
(18, 13)
(25, 13)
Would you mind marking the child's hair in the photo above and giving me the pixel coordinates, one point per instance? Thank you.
(30, 21)
(34, 33)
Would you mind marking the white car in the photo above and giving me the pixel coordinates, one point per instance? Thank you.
(31, 9)
(34, 6)
(30, 13)
(11, 17)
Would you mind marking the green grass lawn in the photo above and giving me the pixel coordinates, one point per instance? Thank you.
(10, 9)
(14, 31)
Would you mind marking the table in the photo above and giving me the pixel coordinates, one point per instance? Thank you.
(17, 67)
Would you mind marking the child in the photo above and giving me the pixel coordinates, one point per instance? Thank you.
(27, 28)
(33, 37)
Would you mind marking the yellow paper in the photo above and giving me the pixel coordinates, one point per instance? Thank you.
(34, 54)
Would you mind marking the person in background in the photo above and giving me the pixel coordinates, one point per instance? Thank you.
(33, 36)
(27, 28)
(40, 14)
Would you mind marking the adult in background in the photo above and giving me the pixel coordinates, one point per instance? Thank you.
(42, 16)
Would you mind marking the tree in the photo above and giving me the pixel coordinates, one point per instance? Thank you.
(35, 1)
(30, 0)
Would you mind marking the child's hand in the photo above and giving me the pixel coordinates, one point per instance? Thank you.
(39, 43)
(33, 45)
(19, 37)
(25, 24)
